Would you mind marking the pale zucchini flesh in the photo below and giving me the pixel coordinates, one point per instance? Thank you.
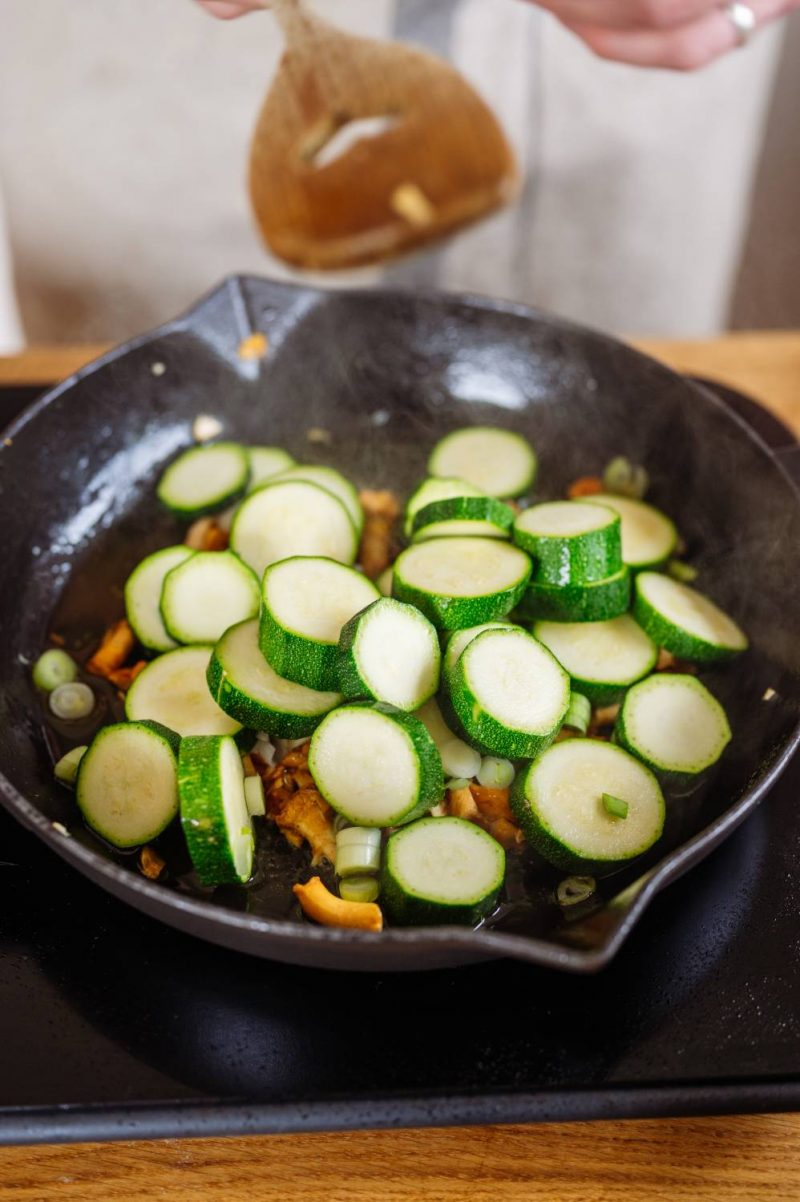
(306, 602)
(245, 686)
(204, 479)
(441, 870)
(172, 690)
(672, 723)
(292, 517)
(558, 802)
(459, 582)
(205, 594)
(509, 693)
(603, 659)
(389, 652)
(375, 765)
(458, 641)
(127, 784)
(499, 462)
(649, 537)
(685, 621)
(266, 462)
(334, 482)
(143, 597)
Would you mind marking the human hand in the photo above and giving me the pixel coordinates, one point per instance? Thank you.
(680, 35)
(226, 10)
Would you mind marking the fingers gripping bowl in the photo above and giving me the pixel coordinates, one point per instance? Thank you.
(385, 377)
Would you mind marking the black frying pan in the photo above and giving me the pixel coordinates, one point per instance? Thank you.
(386, 373)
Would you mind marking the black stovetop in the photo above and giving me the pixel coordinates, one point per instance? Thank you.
(112, 1025)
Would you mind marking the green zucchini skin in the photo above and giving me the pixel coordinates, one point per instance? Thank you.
(430, 780)
(464, 509)
(232, 697)
(202, 809)
(600, 692)
(680, 642)
(485, 732)
(573, 559)
(578, 602)
(677, 780)
(164, 732)
(351, 680)
(550, 846)
(407, 909)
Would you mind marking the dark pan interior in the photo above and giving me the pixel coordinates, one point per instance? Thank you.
(386, 374)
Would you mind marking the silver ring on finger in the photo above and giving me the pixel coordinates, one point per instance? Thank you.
(743, 20)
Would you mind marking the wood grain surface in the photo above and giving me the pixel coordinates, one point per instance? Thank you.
(730, 1159)
(680, 1160)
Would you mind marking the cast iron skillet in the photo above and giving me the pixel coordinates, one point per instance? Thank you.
(386, 373)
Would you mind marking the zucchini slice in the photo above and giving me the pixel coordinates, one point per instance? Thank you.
(389, 652)
(570, 542)
(292, 517)
(459, 639)
(441, 870)
(648, 536)
(459, 760)
(684, 621)
(172, 690)
(204, 479)
(375, 765)
(459, 582)
(143, 596)
(266, 462)
(433, 489)
(595, 602)
(207, 593)
(306, 602)
(558, 802)
(245, 686)
(509, 693)
(334, 482)
(498, 462)
(460, 517)
(127, 784)
(675, 725)
(603, 658)
(214, 816)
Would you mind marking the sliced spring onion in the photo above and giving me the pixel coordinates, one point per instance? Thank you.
(254, 795)
(495, 773)
(684, 572)
(358, 851)
(72, 701)
(265, 748)
(459, 759)
(359, 889)
(574, 890)
(67, 767)
(579, 714)
(53, 668)
(615, 806)
(458, 782)
(625, 478)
